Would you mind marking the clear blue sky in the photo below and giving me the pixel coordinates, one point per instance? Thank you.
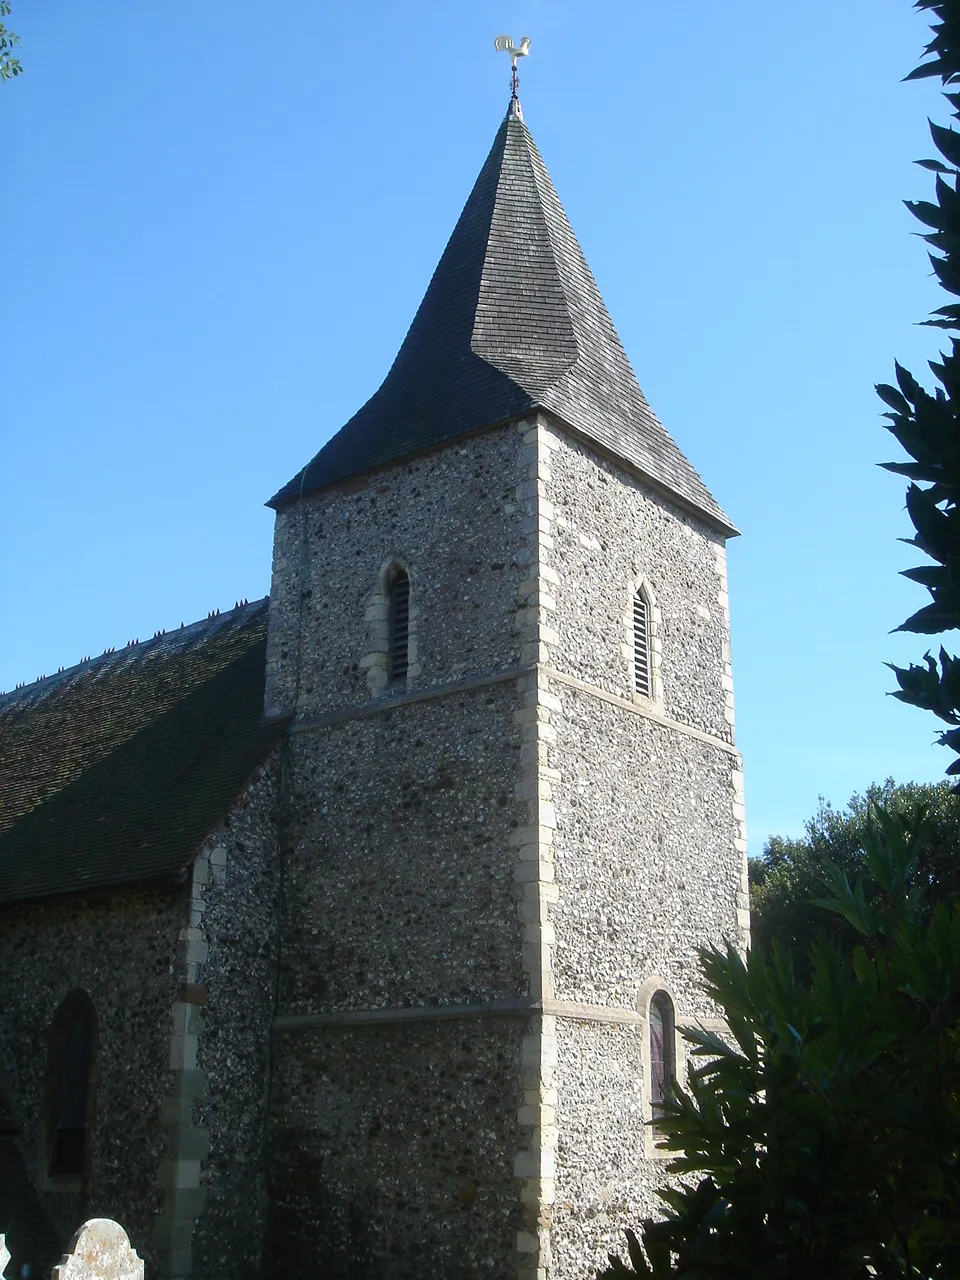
(219, 219)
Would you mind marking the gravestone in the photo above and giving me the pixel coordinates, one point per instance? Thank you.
(100, 1251)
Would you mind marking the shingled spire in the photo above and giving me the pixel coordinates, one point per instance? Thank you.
(512, 321)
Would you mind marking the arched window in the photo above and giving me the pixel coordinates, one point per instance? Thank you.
(663, 1058)
(68, 1096)
(399, 628)
(642, 681)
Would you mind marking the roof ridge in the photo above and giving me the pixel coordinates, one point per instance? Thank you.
(185, 632)
(507, 330)
(531, 151)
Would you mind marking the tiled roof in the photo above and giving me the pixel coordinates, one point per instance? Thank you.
(512, 321)
(114, 771)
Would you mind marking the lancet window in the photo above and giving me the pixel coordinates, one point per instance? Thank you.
(663, 1063)
(68, 1111)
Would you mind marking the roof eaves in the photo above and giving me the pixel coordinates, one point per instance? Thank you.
(359, 479)
(172, 878)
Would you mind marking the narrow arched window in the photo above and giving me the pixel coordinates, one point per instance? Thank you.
(399, 628)
(68, 1096)
(641, 645)
(663, 1061)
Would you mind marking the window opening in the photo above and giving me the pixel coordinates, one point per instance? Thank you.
(72, 1047)
(399, 628)
(641, 644)
(663, 1065)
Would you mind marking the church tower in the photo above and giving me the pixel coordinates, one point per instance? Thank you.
(512, 805)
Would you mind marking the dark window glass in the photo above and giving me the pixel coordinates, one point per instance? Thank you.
(66, 1158)
(399, 628)
(641, 645)
(72, 1047)
(662, 1061)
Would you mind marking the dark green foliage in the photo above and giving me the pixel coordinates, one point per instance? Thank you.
(789, 874)
(823, 1139)
(928, 425)
(9, 65)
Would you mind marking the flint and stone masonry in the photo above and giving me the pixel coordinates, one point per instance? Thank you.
(489, 870)
(183, 982)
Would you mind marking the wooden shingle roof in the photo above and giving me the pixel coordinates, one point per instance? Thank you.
(512, 321)
(114, 771)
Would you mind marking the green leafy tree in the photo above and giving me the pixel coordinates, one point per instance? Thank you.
(791, 873)
(9, 65)
(928, 425)
(824, 1138)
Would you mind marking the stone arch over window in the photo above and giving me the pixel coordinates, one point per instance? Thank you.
(642, 648)
(68, 1102)
(661, 1052)
(391, 657)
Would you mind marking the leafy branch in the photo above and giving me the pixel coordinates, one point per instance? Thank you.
(9, 65)
(928, 425)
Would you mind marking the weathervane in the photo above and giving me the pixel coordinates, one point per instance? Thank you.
(504, 44)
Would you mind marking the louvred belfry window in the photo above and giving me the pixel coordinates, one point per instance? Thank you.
(641, 645)
(399, 628)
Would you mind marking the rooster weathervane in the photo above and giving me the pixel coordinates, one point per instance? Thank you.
(504, 44)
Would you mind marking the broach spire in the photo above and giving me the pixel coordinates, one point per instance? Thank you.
(511, 322)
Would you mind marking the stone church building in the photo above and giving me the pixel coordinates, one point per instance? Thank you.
(348, 933)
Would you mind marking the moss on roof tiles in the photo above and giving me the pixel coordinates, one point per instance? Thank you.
(115, 771)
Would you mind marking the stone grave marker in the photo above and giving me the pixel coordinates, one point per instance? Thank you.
(100, 1251)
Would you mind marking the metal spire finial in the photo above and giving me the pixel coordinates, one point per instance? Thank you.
(504, 44)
